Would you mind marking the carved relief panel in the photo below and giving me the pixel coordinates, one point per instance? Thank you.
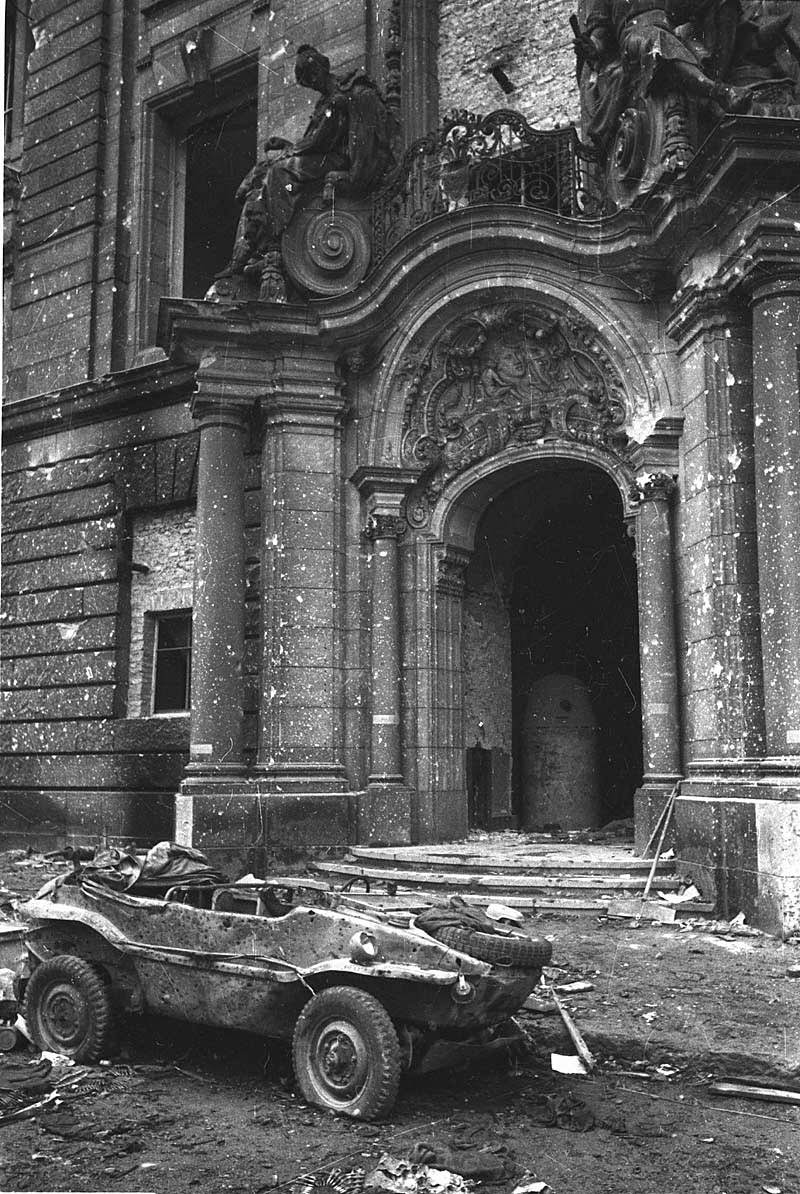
(506, 374)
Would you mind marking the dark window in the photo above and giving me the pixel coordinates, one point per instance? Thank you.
(173, 662)
(219, 152)
(18, 44)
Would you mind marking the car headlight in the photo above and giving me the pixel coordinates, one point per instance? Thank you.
(363, 948)
(462, 991)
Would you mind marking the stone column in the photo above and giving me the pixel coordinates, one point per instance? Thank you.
(715, 530)
(302, 705)
(222, 407)
(385, 765)
(657, 644)
(451, 812)
(385, 812)
(776, 437)
(218, 614)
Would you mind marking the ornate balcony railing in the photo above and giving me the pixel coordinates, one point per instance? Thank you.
(472, 160)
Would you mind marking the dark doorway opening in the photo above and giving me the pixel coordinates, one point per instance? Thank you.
(551, 655)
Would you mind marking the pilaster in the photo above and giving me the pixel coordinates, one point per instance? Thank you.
(448, 708)
(661, 723)
(227, 387)
(776, 435)
(302, 713)
(716, 529)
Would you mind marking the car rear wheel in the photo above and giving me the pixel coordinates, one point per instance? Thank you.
(346, 1053)
(67, 1009)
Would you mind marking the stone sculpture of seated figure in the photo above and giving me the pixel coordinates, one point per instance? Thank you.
(345, 149)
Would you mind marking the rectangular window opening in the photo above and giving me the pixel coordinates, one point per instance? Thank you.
(196, 151)
(219, 152)
(172, 662)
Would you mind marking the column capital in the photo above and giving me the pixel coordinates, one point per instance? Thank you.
(450, 568)
(704, 307)
(653, 487)
(306, 388)
(383, 482)
(230, 382)
(385, 526)
(213, 410)
(769, 255)
(777, 284)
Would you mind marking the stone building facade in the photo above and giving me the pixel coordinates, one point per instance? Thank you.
(490, 499)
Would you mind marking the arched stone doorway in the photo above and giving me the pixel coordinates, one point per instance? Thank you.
(552, 710)
(478, 397)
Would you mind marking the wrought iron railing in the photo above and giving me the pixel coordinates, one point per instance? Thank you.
(472, 160)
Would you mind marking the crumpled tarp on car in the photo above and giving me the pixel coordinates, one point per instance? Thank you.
(165, 865)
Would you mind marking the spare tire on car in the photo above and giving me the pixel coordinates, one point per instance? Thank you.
(521, 953)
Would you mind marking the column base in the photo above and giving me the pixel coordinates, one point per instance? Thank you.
(242, 828)
(737, 828)
(384, 813)
(648, 804)
(300, 777)
(213, 772)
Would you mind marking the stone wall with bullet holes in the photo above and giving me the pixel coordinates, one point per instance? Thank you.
(529, 45)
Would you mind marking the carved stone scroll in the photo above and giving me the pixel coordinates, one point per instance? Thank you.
(506, 374)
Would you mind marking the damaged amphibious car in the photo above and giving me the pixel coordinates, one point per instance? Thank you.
(361, 994)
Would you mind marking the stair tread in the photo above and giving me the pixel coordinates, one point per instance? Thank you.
(489, 865)
(621, 882)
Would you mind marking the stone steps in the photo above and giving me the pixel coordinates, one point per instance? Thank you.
(495, 886)
(515, 869)
(420, 858)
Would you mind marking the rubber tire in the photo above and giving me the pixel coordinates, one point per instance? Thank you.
(369, 1021)
(522, 953)
(82, 986)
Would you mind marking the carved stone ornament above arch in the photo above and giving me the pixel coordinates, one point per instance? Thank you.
(506, 374)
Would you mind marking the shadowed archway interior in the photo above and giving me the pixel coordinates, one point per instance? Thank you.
(551, 666)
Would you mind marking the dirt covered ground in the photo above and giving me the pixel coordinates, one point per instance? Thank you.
(181, 1109)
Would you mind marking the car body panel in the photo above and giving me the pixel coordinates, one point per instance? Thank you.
(254, 972)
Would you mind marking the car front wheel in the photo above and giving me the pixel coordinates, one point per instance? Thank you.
(346, 1053)
(67, 1009)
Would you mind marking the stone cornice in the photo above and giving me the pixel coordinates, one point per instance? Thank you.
(164, 383)
(383, 481)
(188, 329)
(699, 308)
(599, 252)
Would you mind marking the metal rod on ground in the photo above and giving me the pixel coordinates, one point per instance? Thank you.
(582, 1049)
(667, 818)
(739, 1090)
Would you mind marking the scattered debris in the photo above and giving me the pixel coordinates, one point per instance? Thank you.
(481, 1165)
(793, 971)
(723, 928)
(564, 1064)
(542, 1007)
(688, 894)
(742, 1090)
(393, 1175)
(570, 1112)
(573, 988)
(636, 909)
(337, 1181)
(529, 1185)
(580, 1044)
